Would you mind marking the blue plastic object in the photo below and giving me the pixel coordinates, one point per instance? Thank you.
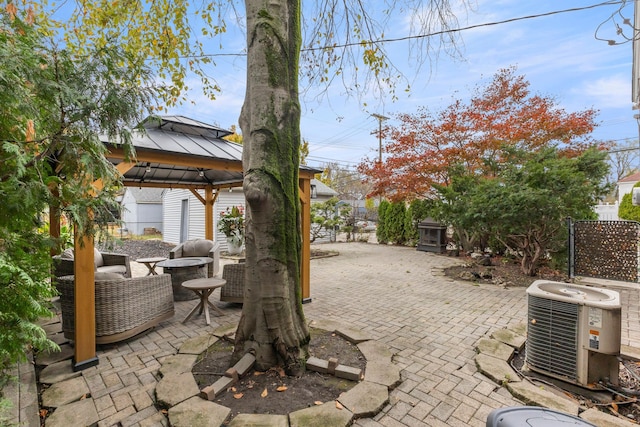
(532, 416)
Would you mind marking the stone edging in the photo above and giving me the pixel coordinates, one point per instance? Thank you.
(496, 350)
(178, 390)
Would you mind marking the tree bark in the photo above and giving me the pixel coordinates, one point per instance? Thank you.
(272, 324)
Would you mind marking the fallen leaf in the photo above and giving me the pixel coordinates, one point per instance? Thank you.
(43, 413)
(282, 388)
(317, 402)
(238, 395)
(233, 389)
(256, 373)
(338, 405)
(264, 393)
(614, 406)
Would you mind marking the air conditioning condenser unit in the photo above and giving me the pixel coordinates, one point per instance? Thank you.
(573, 332)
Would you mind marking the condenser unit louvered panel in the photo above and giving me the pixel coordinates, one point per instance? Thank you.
(553, 336)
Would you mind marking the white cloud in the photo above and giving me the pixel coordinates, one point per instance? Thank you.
(608, 92)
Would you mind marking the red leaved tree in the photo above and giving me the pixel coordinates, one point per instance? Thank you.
(504, 113)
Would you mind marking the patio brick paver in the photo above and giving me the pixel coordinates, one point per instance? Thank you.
(397, 296)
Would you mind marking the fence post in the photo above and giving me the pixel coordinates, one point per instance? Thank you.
(570, 248)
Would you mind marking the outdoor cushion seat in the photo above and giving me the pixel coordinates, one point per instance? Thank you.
(104, 262)
(199, 248)
(125, 307)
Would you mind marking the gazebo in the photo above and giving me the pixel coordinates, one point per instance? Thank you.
(173, 152)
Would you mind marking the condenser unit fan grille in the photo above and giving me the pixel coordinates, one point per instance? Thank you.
(552, 340)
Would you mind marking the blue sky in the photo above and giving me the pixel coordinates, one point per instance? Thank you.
(559, 54)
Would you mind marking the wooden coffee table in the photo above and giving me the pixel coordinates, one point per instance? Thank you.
(151, 264)
(204, 288)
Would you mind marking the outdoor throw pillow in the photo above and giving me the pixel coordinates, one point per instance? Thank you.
(67, 254)
(97, 258)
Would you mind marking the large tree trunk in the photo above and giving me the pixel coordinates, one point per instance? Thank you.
(272, 325)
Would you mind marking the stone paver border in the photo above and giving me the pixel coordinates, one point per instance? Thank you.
(494, 354)
(176, 390)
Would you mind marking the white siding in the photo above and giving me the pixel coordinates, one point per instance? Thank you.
(171, 214)
(149, 216)
(129, 212)
(137, 216)
(172, 202)
(607, 212)
(624, 188)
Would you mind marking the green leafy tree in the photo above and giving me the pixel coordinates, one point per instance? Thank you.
(382, 233)
(453, 206)
(395, 223)
(525, 205)
(627, 210)
(54, 106)
(326, 217)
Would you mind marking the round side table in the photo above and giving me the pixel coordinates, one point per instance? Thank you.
(204, 288)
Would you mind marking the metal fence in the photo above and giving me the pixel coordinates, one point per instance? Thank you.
(604, 249)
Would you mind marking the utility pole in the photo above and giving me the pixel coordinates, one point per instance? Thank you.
(635, 69)
(380, 119)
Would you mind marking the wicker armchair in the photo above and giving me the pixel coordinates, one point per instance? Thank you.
(233, 290)
(125, 307)
(104, 262)
(199, 248)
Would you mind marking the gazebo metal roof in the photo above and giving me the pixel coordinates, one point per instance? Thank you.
(179, 152)
(167, 139)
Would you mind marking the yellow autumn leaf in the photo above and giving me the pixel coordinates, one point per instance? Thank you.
(318, 402)
(339, 405)
(238, 395)
(264, 393)
(282, 388)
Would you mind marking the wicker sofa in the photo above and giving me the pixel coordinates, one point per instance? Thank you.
(104, 262)
(125, 307)
(199, 248)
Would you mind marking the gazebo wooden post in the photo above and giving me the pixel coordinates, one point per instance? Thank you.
(208, 201)
(208, 212)
(305, 267)
(85, 308)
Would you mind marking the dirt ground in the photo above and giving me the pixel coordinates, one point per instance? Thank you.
(502, 272)
(273, 392)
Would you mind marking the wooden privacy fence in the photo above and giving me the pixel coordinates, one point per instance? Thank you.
(604, 249)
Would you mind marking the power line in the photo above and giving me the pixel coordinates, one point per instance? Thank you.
(436, 33)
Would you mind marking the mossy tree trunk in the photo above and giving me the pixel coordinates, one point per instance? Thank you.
(272, 325)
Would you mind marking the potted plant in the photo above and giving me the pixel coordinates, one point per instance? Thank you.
(231, 223)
